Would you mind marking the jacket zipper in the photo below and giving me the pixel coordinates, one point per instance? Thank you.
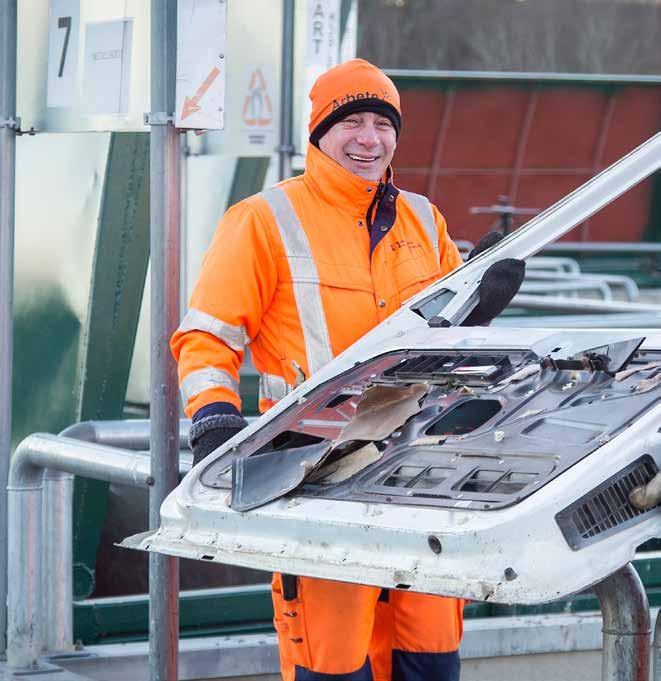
(371, 210)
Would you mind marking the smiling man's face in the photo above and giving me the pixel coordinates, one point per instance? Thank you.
(363, 143)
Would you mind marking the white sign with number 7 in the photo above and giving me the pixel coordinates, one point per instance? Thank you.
(63, 32)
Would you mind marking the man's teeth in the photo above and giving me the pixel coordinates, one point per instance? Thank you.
(362, 158)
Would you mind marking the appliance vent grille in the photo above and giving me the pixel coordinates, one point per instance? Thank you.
(606, 509)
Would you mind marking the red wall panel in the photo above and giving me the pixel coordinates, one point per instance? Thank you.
(465, 142)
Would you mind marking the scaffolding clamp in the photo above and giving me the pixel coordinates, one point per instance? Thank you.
(15, 125)
(11, 123)
(159, 118)
(286, 149)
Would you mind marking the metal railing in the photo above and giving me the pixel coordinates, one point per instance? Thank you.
(570, 288)
(40, 521)
(563, 276)
(581, 305)
(25, 637)
(546, 263)
(58, 516)
(615, 282)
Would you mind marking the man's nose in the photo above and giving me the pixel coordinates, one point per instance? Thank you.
(367, 136)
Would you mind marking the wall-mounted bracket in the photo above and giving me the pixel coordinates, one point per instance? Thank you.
(158, 118)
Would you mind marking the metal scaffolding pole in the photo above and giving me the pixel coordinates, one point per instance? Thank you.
(8, 127)
(286, 148)
(164, 441)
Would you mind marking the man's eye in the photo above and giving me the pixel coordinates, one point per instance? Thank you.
(351, 121)
(385, 123)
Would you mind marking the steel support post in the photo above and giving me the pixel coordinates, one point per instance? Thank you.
(286, 148)
(164, 243)
(57, 562)
(626, 626)
(8, 126)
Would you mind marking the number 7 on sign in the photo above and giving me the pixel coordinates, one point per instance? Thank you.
(64, 22)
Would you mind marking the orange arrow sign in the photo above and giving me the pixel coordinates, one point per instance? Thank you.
(192, 104)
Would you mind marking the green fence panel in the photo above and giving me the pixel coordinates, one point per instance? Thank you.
(120, 265)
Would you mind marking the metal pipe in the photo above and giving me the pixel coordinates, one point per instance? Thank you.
(165, 188)
(656, 649)
(579, 305)
(130, 434)
(286, 148)
(8, 27)
(552, 264)
(626, 626)
(566, 287)
(57, 577)
(33, 455)
(99, 462)
(183, 225)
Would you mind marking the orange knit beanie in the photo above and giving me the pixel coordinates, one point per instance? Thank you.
(351, 87)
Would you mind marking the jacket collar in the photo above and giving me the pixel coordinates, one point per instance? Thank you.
(335, 184)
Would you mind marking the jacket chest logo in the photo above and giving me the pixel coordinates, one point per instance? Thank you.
(404, 243)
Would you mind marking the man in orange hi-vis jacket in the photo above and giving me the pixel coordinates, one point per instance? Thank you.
(300, 272)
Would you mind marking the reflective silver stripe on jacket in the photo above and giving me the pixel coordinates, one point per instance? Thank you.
(305, 277)
(273, 387)
(196, 320)
(422, 208)
(204, 379)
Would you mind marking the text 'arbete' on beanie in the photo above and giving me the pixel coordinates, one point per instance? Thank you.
(351, 87)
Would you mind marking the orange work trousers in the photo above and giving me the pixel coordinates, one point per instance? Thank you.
(336, 630)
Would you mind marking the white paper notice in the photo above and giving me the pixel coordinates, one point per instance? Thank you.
(201, 43)
(63, 31)
(322, 48)
(107, 77)
(257, 112)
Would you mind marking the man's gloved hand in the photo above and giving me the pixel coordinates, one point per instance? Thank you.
(648, 496)
(500, 283)
(487, 241)
(210, 432)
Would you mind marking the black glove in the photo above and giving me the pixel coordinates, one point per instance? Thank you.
(209, 433)
(500, 283)
(487, 241)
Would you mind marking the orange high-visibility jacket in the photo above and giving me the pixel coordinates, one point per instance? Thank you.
(296, 273)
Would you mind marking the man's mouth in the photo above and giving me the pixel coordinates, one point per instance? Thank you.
(362, 159)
